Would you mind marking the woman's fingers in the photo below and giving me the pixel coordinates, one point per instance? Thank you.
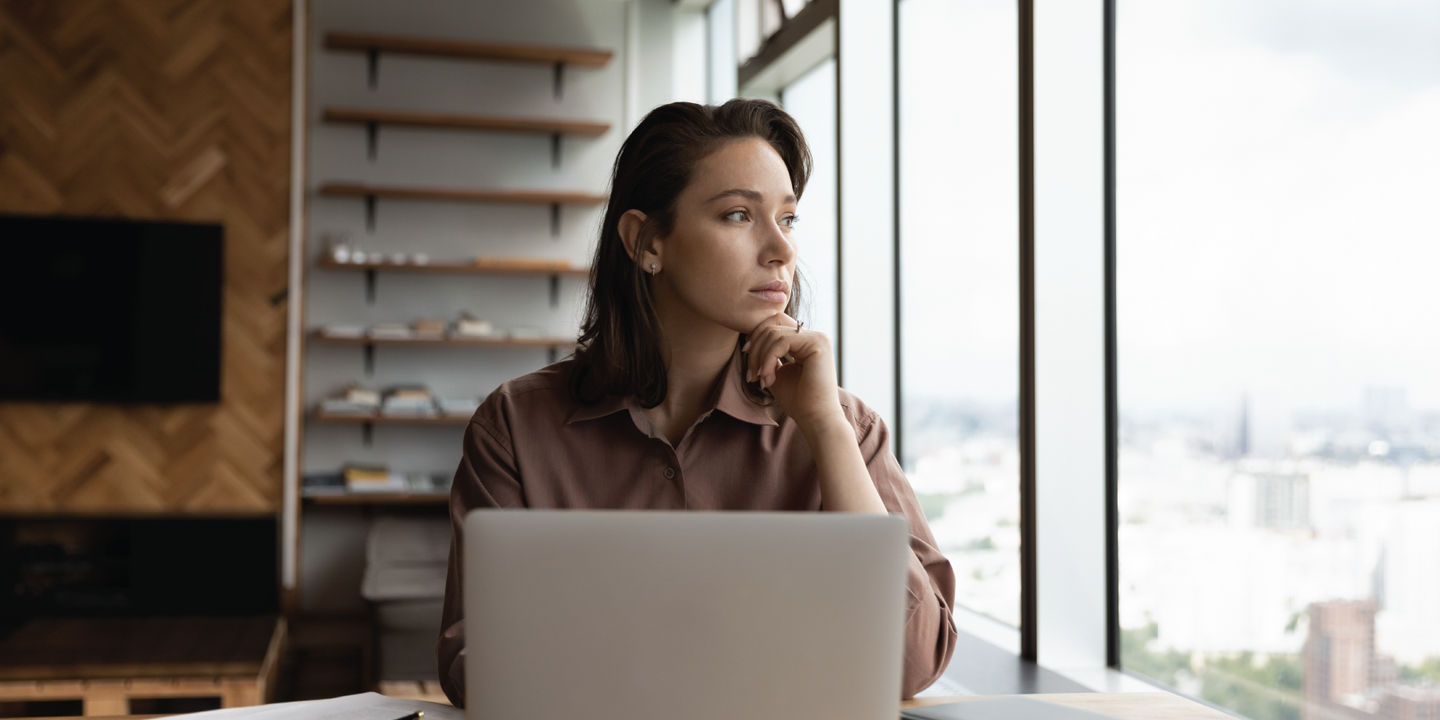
(771, 345)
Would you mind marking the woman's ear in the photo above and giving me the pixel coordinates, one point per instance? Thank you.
(630, 224)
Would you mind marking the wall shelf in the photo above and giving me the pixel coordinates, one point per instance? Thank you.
(557, 57)
(450, 341)
(357, 419)
(531, 268)
(554, 127)
(468, 50)
(553, 345)
(553, 198)
(498, 267)
(380, 499)
(520, 197)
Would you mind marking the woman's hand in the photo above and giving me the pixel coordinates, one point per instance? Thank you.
(804, 383)
(805, 387)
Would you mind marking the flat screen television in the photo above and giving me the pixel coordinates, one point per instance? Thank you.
(109, 311)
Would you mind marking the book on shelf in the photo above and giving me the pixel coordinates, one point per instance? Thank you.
(337, 406)
(430, 328)
(469, 326)
(391, 331)
(316, 484)
(361, 395)
(362, 479)
(343, 331)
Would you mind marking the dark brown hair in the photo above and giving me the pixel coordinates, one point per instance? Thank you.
(621, 349)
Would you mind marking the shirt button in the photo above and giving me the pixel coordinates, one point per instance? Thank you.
(669, 473)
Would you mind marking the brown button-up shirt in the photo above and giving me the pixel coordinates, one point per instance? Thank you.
(531, 446)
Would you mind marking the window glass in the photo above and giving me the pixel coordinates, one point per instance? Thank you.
(1278, 246)
(959, 265)
(811, 101)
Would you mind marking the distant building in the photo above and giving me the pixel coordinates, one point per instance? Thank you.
(1346, 680)
(1410, 703)
(1279, 501)
(1339, 652)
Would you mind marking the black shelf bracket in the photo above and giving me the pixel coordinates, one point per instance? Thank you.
(372, 139)
(369, 359)
(554, 291)
(555, 151)
(370, 286)
(555, 220)
(370, 214)
(552, 355)
(367, 434)
(559, 80)
(374, 66)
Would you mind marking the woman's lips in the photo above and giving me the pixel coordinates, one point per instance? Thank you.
(775, 291)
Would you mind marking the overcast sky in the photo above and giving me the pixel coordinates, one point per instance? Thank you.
(1279, 200)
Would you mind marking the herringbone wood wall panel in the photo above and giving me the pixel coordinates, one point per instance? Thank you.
(156, 109)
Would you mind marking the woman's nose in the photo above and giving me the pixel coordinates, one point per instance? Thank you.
(778, 247)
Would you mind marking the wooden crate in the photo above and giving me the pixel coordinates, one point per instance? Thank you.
(106, 662)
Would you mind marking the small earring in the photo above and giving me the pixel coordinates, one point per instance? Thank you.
(653, 269)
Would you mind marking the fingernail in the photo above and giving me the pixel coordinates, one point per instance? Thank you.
(745, 347)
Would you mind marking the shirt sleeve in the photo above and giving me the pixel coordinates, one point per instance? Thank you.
(930, 583)
(487, 478)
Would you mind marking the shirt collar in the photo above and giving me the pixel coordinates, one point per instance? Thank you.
(729, 398)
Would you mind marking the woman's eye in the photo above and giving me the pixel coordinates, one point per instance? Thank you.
(737, 216)
(790, 221)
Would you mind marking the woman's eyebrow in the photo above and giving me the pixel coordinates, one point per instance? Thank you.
(748, 195)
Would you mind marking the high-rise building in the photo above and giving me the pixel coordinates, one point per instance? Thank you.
(1339, 653)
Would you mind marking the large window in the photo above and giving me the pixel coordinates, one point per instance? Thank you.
(1279, 359)
(959, 296)
(811, 101)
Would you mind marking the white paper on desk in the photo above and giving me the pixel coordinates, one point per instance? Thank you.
(365, 706)
(1005, 708)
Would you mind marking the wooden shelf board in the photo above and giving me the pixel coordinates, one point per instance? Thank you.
(380, 499)
(461, 267)
(525, 197)
(542, 126)
(464, 49)
(325, 417)
(448, 341)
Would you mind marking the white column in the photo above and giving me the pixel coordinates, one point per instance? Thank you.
(867, 203)
(1069, 333)
(295, 304)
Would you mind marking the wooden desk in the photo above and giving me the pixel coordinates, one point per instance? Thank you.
(1129, 706)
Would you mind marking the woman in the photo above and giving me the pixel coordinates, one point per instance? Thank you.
(694, 388)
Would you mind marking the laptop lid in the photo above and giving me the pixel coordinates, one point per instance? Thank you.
(646, 615)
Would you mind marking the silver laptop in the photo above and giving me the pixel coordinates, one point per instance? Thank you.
(648, 615)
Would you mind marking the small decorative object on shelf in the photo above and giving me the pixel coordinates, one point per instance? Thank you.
(469, 326)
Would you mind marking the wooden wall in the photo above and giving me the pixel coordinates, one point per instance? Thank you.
(156, 109)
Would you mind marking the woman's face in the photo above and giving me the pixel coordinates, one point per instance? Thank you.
(730, 258)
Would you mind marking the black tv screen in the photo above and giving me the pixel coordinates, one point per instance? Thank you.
(110, 311)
